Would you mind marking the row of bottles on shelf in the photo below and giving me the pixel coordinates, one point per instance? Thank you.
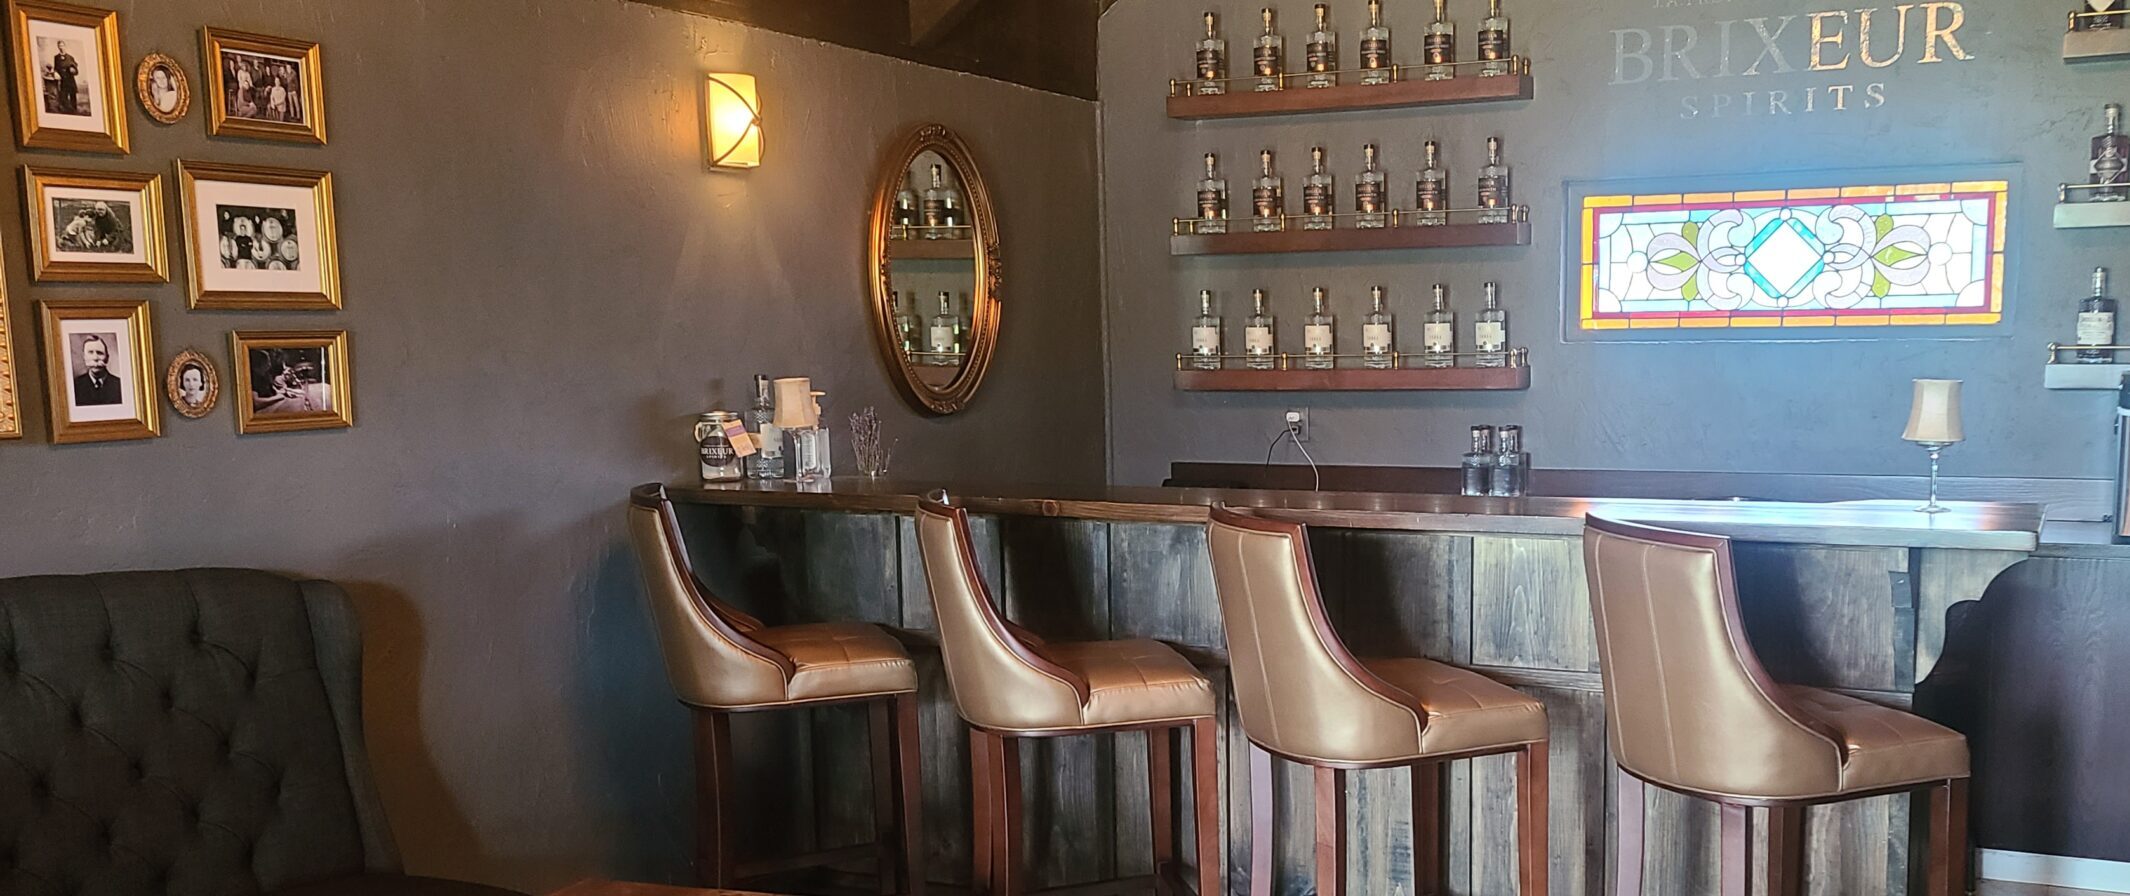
(1432, 205)
(1497, 466)
(941, 341)
(938, 215)
(1321, 60)
(1379, 340)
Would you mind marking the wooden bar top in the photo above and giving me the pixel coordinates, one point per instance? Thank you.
(1968, 526)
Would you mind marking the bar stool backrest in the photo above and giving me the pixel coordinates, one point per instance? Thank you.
(709, 657)
(1687, 702)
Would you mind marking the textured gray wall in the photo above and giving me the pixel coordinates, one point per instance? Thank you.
(1835, 408)
(543, 286)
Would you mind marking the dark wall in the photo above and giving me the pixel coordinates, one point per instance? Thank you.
(2014, 108)
(543, 287)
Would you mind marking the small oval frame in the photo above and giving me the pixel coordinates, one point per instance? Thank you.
(144, 74)
(177, 369)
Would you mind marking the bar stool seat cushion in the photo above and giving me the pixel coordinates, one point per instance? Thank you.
(839, 660)
(1129, 683)
(1882, 747)
(1465, 710)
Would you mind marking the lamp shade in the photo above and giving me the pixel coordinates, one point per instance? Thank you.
(1935, 416)
(732, 111)
(795, 403)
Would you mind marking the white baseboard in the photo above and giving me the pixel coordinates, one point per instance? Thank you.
(2055, 871)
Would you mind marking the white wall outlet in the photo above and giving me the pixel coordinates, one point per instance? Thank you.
(1297, 419)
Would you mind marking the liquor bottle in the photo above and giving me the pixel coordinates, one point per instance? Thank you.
(1320, 336)
(1490, 333)
(1370, 190)
(1205, 335)
(1438, 334)
(1213, 198)
(1432, 189)
(768, 460)
(1512, 467)
(2099, 22)
(1495, 195)
(1319, 195)
(1379, 338)
(2111, 158)
(1376, 67)
(907, 211)
(1494, 43)
(956, 216)
(1212, 60)
(942, 347)
(1441, 44)
(1260, 336)
(935, 206)
(1323, 51)
(1271, 57)
(1479, 463)
(906, 323)
(1268, 200)
(2096, 322)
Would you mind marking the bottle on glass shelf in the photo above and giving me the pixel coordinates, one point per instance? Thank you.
(942, 343)
(1213, 198)
(1212, 61)
(1320, 336)
(1479, 463)
(1268, 199)
(908, 212)
(1370, 193)
(1379, 338)
(1431, 188)
(2111, 158)
(1494, 43)
(2096, 322)
(1319, 195)
(1441, 44)
(936, 220)
(1270, 57)
(768, 460)
(1376, 67)
(1205, 335)
(907, 325)
(1490, 332)
(1323, 51)
(1495, 196)
(1260, 336)
(1438, 333)
(1512, 467)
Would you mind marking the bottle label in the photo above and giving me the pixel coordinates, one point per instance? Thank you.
(1266, 202)
(772, 439)
(1260, 340)
(942, 339)
(2096, 328)
(1490, 192)
(1490, 335)
(1441, 49)
(1212, 204)
(1493, 45)
(1368, 197)
(935, 213)
(1375, 53)
(1322, 58)
(1438, 338)
(1205, 340)
(2111, 158)
(1375, 338)
(1316, 199)
(1268, 62)
(1209, 64)
(741, 440)
(1317, 338)
(1431, 196)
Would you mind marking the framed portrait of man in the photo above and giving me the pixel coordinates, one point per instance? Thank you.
(270, 88)
(260, 238)
(99, 364)
(104, 226)
(291, 380)
(68, 93)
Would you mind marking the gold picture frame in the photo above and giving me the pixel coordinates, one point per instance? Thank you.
(111, 398)
(179, 88)
(182, 394)
(250, 268)
(75, 216)
(269, 110)
(304, 392)
(41, 113)
(10, 394)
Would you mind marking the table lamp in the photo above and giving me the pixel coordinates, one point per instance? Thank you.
(1934, 423)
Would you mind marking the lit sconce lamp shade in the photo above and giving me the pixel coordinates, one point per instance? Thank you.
(733, 113)
(1934, 418)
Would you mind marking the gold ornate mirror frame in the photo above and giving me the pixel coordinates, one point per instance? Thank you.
(984, 304)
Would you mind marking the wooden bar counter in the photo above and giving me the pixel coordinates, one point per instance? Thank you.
(1852, 597)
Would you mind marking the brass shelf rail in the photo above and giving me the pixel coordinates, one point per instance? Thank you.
(1288, 376)
(1240, 97)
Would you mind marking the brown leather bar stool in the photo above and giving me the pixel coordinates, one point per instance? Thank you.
(1010, 684)
(723, 661)
(1690, 709)
(1304, 697)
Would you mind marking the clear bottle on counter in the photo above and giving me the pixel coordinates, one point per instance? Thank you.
(1260, 336)
(768, 459)
(1512, 466)
(1206, 347)
(1479, 463)
(1320, 336)
(720, 459)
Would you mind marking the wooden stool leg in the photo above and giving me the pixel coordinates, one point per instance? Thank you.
(1260, 822)
(713, 799)
(1161, 803)
(1786, 851)
(1206, 802)
(983, 793)
(1008, 878)
(1430, 872)
(879, 725)
(1330, 832)
(1627, 854)
(1948, 839)
(1534, 846)
(1737, 867)
(909, 797)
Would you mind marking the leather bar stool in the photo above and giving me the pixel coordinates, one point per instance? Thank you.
(723, 661)
(1305, 698)
(1010, 684)
(1690, 709)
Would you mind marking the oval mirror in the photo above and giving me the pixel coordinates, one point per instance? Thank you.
(936, 278)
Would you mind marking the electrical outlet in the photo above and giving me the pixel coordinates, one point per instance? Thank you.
(1297, 419)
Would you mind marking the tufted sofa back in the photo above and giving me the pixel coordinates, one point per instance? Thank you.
(190, 732)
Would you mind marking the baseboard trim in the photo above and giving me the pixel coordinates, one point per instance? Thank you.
(2055, 871)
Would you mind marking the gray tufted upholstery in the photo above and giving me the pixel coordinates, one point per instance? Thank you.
(192, 732)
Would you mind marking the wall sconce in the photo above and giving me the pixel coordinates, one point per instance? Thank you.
(733, 114)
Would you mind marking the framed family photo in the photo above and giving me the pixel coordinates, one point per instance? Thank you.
(266, 87)
(260, 238)
(99, 370)
(104, 226)
(192, 384)
(67, 90)
(164, 91)
(292, 380)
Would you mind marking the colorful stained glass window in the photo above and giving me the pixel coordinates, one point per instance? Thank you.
(1863, 256)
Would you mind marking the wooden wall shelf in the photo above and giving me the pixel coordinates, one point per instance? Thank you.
(2097, 45)
(2081, 215)
(1241, 102)
(1416, 379)
(1443, 236)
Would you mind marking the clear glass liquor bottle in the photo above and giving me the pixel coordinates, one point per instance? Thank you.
(1213, 198)
(1271, 57)
(908, 213)
(1438, 333)
(1370, 192)
(1212, 60)
(1205, 335)
(907, 324)
(1323, 51)
(1512, 467)
(1376, 66)
(942, 342)
(1260, 336)
(1432, 189)
(1268, 200)
(1319, 195)
(935, 206)
(768, 460)
(1494, 43)
(1320, 338)
(2096, 322)
(1379, 338)
(1490, 331)
(1441, 44)
(2111, 158)
(1479, 463)
(1495, 195)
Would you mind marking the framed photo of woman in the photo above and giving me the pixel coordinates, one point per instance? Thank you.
(260, 238)
(292, 380)
(99, 371)
(97, 226)
(271, 88)
(68, 91)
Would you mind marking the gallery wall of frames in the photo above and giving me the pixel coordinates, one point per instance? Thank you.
(247, 237)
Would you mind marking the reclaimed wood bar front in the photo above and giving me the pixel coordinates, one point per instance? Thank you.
(1852, 597)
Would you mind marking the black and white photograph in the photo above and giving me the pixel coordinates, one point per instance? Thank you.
(68, 87)
(89, 356)
(260, 238)
(164, 91)
(68, 93)
(257, 87)
(97, 365)
(264, 87)
(95, 226)
(291, 380)
(192, 384)
(253, 238)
